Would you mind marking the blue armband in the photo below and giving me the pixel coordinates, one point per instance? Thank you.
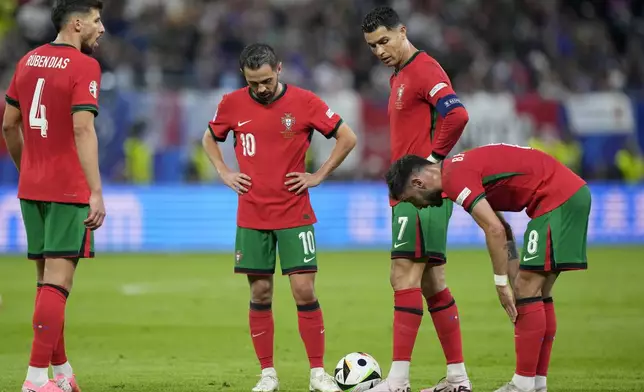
(447, 103)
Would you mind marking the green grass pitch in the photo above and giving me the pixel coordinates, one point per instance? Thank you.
(179, 323)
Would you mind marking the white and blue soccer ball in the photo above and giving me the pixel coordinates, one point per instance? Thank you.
(357, 372)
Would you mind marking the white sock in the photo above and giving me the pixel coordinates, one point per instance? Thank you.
(456, 372)
(269, 372)
(524, 383)
(399, 371)
(540, 382)
(315, 372)
(65, 369)
(38, 376)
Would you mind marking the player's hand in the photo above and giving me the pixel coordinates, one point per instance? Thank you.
(507, 301)
(97, 213)
(239, 182)
(299, 182)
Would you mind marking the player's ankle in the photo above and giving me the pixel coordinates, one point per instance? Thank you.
(456, 372)
(540, 382)
(269, 371)
(64, 369)
(37, 376)
(523, 382)
(399, 371)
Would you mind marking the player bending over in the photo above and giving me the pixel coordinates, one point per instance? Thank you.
(53, 97)
(272, 124)
(425, 118)
(510, 178)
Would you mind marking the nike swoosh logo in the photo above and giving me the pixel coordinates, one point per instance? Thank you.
(529, 258)
(398, 245)
(307, 260)
(239, 123)
(322, 331)
(258, 334)
(439, 390)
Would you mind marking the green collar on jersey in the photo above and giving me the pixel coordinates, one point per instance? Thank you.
(274, 99)
(413, 56)
(61, 44)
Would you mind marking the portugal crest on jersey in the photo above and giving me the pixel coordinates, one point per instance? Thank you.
(399, 94)
(288, 121)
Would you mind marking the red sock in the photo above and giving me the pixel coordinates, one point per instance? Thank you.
(48, 320)
(549, 339)
(408, 313)
(311, 326)
(59, 356)
(444, 312)
(38, 290)
(262, 331)
(529, 330)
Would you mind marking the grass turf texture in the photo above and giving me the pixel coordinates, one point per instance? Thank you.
(179, 323)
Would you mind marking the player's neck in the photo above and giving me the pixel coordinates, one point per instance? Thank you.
(408, 53)
(64, 38)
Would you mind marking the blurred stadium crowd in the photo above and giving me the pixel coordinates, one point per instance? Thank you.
(549, 47)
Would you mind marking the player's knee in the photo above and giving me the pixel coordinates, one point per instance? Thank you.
(528, 284)
(303, 288)
(261, 291)
(433, 281)
(405, 274)
(59, 272)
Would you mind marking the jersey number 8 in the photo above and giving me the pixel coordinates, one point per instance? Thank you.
(38, 112)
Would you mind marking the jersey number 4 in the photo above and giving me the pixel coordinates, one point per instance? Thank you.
(38, 112)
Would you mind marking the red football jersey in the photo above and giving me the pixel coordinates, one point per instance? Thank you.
(271, 141)
(416, 89)
(50, 83)
(510, 178)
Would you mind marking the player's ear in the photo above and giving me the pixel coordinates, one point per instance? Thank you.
(403, 30)
(78, 24)
(279, 68)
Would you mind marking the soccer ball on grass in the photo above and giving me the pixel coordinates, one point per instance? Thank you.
(357, 372)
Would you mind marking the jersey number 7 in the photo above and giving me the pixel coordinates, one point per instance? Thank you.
(38, 112)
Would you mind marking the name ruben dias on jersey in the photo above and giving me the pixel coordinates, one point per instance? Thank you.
(47, 61)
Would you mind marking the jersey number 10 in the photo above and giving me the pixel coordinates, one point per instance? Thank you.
(38, 112)
(248, 144)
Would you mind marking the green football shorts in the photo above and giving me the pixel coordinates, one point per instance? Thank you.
(556, 240)
(56, 230)
(256, 250)
(420, 235)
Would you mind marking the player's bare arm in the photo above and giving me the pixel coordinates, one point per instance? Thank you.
(87, 147)
(239, 182)
(345, 142)
(12, 133)
(497, 245)
(513, 253)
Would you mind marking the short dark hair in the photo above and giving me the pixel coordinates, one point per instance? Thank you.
(255, 55)
(63, 8)
(398, 175)
(380, 16)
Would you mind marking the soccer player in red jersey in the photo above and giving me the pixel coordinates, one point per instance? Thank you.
(272, 124)
(425, 118)
(49, 130)
(511, 178)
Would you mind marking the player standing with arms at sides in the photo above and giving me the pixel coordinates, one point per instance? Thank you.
(272, 124)
(512, 178)
(53, 97)
(425, 118)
